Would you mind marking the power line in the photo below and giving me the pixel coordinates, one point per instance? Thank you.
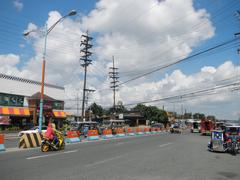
(181, 60)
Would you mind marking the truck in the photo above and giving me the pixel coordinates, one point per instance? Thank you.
(206, 127)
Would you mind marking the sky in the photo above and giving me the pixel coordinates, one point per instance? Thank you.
(142, 36)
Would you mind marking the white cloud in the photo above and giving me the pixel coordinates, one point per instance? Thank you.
(154, 35)
(18, 5)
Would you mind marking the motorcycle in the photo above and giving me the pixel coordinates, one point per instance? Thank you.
(49, 146)
(233, 145)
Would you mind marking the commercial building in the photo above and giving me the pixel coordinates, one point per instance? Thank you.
(19, 101)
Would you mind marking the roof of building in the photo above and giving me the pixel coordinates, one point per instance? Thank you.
(15, 78)
(38, 96)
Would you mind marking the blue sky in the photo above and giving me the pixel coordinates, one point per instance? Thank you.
(15, 18)
(14, 22)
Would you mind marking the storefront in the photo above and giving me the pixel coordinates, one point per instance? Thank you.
(16, 116)
(52, 109)
(20, 99)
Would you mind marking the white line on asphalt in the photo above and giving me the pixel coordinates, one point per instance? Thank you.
(105, 161)
(163, 145)
(47, 155)
(121, 143)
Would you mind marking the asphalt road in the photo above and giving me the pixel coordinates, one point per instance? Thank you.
(167, 157)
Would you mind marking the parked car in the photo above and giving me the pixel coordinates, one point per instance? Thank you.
(175, 129)
(157, 125)
(83, 127)
(32, 130)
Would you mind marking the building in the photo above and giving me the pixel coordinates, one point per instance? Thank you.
(19, 101)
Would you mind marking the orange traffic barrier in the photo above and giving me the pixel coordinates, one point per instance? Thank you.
(130, 132)
(2, 148)
(147, 130)
(107, 133)
(73, 136)
(120, 132)
(139, 131)
(153, 131)
(92, 135)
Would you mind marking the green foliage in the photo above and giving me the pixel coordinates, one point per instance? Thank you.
(96, 109)
(152, 113)
(119, 109)
(198, 116)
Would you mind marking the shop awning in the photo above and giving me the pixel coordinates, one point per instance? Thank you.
(59, 114)
(14, 111)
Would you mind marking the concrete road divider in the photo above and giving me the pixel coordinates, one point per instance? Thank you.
(130, 132)
(30, 140)
(139, 131)
(107, 134)
(158, 130)
(72, 137)
(92, 135)
(153, 131)
(2, 147)
(120, 132)
(147, 130)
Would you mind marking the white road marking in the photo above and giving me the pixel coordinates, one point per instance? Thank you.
(121, 143)
(54, 154)
(163, 145)
(105, 161)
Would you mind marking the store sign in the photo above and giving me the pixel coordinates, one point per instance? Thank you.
(58, 105)
(11, 100)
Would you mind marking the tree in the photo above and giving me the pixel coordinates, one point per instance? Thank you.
(97, 110)
(152, 113)
(119, 109)
(140, 108)
(198, 116)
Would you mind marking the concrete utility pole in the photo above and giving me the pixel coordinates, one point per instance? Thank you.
(77, 104)
(87, 98)
(85, 42)
(113, 74)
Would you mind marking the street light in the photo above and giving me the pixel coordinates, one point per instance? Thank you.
(47, 31)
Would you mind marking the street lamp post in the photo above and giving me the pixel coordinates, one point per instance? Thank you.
(46, 32)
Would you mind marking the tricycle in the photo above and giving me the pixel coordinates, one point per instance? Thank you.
(227, 140)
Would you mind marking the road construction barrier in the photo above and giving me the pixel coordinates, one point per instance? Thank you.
(30, 140)
(158, 130)
(72, 137)
(130, 132)
(153, 131)
(139, 131)
(147, 130)
(107, 134)
(120, 132)
(2, 147)
(92, 135)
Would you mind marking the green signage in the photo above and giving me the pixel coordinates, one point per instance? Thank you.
(57, 105)
(11, 100)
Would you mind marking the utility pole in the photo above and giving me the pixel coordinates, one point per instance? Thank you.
(86, 46)
(87, 98)
(113, 74)
(77, 106)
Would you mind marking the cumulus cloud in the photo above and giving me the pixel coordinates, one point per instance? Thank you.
(18, 5)
(155, 34)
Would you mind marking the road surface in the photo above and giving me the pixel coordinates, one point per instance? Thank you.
(167, 157)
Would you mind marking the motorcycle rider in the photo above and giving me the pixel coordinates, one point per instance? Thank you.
(50, 134)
